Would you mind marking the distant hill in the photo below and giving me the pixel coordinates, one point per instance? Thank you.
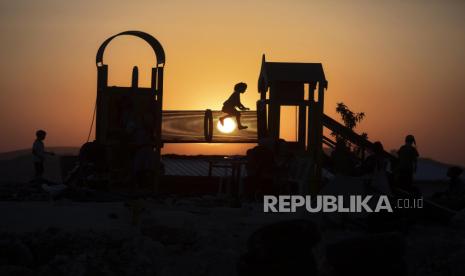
(17, 165)
(58, 150)
(429, 169)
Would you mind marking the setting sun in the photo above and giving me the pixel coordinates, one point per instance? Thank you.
(228, 125)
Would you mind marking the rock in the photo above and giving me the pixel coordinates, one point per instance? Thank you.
(459, 219)
(185, 266)
(113, 215)
(147, 246)
(15, 252)
(168, 235)
(70, 265)
(380, 254)
(12, 270)
(294, 237)
(456, 265)
(220, 263)
(283, 248)
(46, 244)
(47, 270)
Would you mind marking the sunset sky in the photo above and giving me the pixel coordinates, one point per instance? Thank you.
(401, 62)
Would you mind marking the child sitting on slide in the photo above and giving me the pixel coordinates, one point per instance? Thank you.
(229, 106)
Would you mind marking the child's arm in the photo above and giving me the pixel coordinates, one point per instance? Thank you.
(237, 101)
(242, 107)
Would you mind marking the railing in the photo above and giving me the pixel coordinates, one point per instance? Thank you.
(360, 141)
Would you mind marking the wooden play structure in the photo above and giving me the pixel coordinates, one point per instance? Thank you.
(280, 84)
(144, 105)
(110, 158)
(300, 85)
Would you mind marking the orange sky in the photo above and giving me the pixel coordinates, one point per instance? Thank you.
(401, 63)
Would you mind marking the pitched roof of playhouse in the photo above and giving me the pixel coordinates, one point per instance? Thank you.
(290, 71)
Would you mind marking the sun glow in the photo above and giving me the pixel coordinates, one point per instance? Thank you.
(228, 125)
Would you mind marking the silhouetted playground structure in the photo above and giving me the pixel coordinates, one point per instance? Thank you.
(298, 85)
(301, 85)
(280, 84)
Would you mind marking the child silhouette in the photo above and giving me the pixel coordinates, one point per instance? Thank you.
(229, 106)
(39, 153)
(408, 156)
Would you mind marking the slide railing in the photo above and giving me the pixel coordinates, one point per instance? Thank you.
(338, 128)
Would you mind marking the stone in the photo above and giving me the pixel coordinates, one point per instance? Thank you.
(15, 252)
(380, 254)
(282, 248)
(12, 270)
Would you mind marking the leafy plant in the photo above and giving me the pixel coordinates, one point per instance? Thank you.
(351, 120)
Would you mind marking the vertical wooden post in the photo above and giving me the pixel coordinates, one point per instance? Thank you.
(315, 136)
(318, 146)
(302, 121)
(135, 77)
(311, 118)
(102, 83)
(153, 82)
(261, 120)
(273, 114)
(158, 124)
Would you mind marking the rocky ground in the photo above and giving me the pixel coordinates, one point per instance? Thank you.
(204, 236)
(88, 232)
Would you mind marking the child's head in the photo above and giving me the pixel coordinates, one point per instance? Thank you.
(240, 87)
(410, 139)
(40, 134)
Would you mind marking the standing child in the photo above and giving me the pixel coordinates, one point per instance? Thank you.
(408, 156)
(38, 152)
(229, 106)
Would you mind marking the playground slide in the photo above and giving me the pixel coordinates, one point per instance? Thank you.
(351, 136)
(358, 140)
